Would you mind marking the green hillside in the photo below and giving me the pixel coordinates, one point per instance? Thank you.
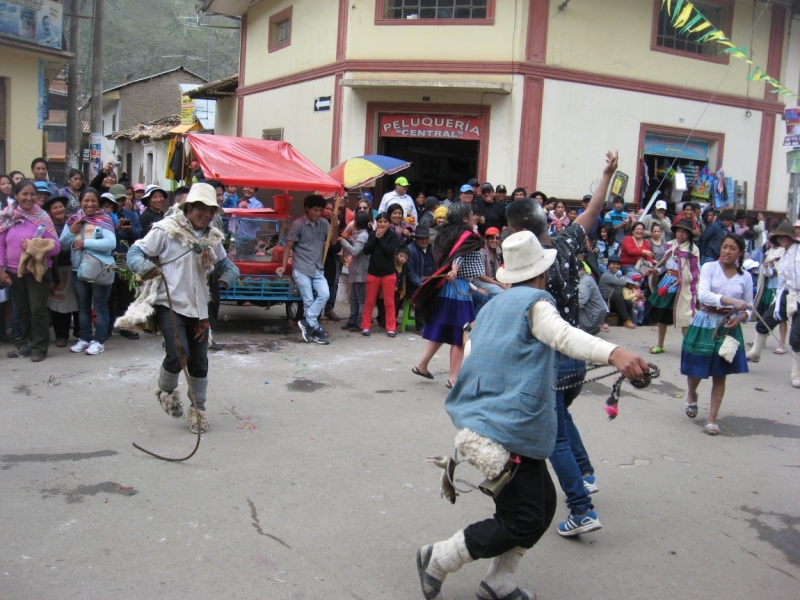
(143, 37)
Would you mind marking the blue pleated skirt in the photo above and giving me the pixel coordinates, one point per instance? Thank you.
(452, 310)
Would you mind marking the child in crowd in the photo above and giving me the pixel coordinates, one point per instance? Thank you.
(400, 259)
(633, 293)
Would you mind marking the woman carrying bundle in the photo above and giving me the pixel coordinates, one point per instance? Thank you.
(674, 297)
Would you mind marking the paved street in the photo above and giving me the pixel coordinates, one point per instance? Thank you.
(312, 482)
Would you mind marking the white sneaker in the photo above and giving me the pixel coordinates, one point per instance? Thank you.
(95, 348)
(80, 346)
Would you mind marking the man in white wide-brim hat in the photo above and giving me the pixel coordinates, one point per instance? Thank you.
(185, 250)
(504, 406)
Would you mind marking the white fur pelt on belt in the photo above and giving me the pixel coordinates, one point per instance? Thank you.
(141, 308)
(482, 453)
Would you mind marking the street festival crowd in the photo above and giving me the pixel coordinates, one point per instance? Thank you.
(504, 280)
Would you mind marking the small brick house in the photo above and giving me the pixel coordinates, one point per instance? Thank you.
(141, 101)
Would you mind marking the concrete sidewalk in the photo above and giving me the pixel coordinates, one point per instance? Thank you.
(312, 481)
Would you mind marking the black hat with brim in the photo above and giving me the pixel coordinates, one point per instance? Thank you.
(52, 199)
(423, 231)
(685, 224)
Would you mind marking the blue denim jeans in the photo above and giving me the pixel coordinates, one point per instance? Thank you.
(569, 458)
(314, 291)
(89, 294)
(480, 300)
(493, 289)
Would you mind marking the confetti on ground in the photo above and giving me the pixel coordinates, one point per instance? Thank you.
(246, 425)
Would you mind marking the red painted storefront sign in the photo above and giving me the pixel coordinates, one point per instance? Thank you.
(431, 126)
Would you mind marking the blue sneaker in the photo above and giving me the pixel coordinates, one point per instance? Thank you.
(590, 483)
(576, 525)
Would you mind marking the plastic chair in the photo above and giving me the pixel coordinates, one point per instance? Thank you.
(407, 319)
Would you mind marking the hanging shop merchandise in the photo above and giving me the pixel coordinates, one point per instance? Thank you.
(679, 170)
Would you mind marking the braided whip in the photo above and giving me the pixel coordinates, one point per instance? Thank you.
(182, 358)
(576, 379)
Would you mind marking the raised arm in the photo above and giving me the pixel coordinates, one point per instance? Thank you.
(587, 218)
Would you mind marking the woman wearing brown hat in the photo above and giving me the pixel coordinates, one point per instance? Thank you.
(785, 306)
(674, 297)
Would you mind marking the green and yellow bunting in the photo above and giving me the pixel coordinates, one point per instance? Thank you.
(685, 17)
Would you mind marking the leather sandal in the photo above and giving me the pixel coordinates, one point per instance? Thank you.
(415, 370)
(691, 410)
(430, 585)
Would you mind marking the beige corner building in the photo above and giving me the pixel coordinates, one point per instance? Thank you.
(31, 56)
(523, 93)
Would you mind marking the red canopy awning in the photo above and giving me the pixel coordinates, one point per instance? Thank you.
(259, 163)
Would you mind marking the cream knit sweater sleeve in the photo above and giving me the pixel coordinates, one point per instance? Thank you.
(549, 328)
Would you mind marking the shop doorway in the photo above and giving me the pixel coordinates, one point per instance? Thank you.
(667, 151)
(436, 164)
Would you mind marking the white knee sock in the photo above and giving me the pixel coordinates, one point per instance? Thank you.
(500, 574)
(795, 371)
(758, 346)
(449, 556)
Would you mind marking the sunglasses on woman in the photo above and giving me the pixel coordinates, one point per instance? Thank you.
(362, 208)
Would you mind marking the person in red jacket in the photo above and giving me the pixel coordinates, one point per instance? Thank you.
(633, 248)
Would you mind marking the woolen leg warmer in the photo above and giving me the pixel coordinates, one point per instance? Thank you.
(499, 582)
(199, 387)
(758, 345)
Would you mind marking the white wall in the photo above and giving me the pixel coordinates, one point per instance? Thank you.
(292, 108)
(580, 122)
(139, 169)
(110, 111)
(225, 123)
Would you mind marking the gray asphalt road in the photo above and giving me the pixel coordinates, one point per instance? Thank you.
(312, 481)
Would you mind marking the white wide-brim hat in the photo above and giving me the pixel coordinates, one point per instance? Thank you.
(203, 193)
(148, 191)
(524, 258)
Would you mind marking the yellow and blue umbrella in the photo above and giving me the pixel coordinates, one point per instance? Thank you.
(363, 170)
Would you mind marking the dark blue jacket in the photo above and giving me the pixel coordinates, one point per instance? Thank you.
(711, 240)
(420, 264)
(134, 234)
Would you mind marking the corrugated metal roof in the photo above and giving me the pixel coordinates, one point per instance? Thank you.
(159, 129)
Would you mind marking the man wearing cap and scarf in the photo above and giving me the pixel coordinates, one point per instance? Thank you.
(504, 407)
(181, 251)
(399, 196)
(786, 306)
(659, 216)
